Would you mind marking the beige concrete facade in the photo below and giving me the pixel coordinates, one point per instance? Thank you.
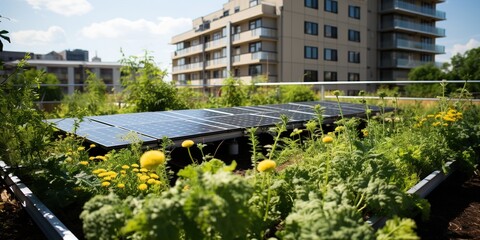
(308, 40)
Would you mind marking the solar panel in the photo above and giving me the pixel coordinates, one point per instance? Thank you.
(67, 124)
(286, 106)
(173, 130)
(292, 116)
(245, 120)
(113, 137)
(197, 113)
(235, 110)
(132, 118)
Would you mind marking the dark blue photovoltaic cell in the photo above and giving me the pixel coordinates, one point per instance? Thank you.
(287, 107)
(112, 136)
(67, 124)
(292, 116)
(246, 120)
(173, 130)
(133, 118)
(236, 110)
(198, 113)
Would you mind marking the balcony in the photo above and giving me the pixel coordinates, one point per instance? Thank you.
(413, 26)
(402, 63)
(401, 5)
(254, 34)
(215, 63)
(413, 45)
(255, 57)
(188, 67)
(189, 50)
(222, 42)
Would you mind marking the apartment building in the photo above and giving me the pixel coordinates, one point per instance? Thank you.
(70, 67)
(309, 41)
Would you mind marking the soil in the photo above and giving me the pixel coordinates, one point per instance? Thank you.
(455, 212)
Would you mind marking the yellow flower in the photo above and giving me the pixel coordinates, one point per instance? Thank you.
(186, 188)
(430, 116)
(105, 184)
(365, 132)
(103, 174)
(97, 171)
(91, 158)
(436, 124)
(144, 178)
(135, 170)
(142, 187)
(135, 165)
(327, 139)
(157, 182)
(92, 145)
(151, 159)
(143, 170)
(266, 165)
(84, 163)
(139, 174)
(107, 179)
(125, 167)
(123, 172)
(339, 129)
(154, 176)
(121, 185)
(187, 143)
(103, 158)
(81, 148)
(151, 181)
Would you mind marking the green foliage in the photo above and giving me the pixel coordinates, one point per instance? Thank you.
(145, 88)
(296, 93)
(425, 72)
(104, 216)
(233, 93)
(397, 228)
(23, 135)
(466, 67)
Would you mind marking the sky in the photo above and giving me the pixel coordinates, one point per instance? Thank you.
(104, 27)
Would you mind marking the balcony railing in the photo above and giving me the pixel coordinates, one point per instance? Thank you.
(413, 26)
(415, 45)
(249, 57)
(191, 66)
(216, 43)
(218, 61)
(403, 63)
(258, 32)
(191, 49)
(406, 6)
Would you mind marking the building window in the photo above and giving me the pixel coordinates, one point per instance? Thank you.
(311, 4)
(255, 47)
(226, 13)
(329, 76)
(330, 54)
(254, 70)
(353, 76)
(353, 35)
(331, 6)
(254, 24)
(311, 52)
(236, 72)
(180, 46)
(237, 9)
(311, 28)
(353, 57)
(253, 3)
(310, 76)
(330, 31)
(354, 12)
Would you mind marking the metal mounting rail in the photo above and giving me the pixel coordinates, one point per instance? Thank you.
(422, 189)
(50, 225)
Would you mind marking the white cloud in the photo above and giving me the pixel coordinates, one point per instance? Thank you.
(462, 48)
(133, 29)
(54, 34)
(63, 7)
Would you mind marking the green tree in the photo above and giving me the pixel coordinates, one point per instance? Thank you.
(466, 67)
(49, 92)
(296, 93)
(145, 88)
(232, 93)
(425, 72)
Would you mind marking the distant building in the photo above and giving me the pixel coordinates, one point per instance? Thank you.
(71, 74)
(309, 41)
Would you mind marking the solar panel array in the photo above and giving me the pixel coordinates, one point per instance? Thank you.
(119, 130)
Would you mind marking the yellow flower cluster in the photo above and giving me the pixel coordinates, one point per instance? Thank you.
(266, 166)
(151, 159)
(441, 118)
(144, 177)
